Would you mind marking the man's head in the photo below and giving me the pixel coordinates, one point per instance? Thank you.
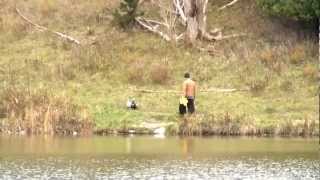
(186, 75)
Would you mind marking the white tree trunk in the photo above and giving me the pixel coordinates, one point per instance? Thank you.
(195, 11)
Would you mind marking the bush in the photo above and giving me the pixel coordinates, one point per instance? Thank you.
(307, 10)
(159, 73)
(125, 15)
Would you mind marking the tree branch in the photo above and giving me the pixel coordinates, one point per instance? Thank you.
(220, 37)
(179, 7)
(227, 5)
(153, 29)
(42, 28)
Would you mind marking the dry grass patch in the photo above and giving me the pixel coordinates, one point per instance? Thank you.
(159, 73)
(310, 72)
(40, 112)
(297, 55)
(135, 72)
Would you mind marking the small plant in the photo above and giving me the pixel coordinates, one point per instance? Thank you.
(125, 15)
(159, 73)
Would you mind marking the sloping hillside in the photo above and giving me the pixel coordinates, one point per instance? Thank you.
(275, 62)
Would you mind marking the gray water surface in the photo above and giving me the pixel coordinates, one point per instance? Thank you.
(158, 158)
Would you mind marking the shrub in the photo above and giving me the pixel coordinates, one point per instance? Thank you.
(295, 9)
(125, 15)
(159, 73)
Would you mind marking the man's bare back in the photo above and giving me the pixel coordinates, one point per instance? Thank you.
(189, 88)
(189, 92)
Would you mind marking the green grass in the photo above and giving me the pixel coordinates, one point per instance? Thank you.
(97, 75)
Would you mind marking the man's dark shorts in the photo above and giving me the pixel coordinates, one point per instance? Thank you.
(190, 105)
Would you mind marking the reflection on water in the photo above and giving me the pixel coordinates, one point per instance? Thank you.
(153, 158)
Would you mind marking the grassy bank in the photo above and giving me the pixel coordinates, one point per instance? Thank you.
(41, 112)
(276, 61)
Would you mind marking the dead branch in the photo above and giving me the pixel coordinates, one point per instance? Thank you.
(42, 28)
(151, 28)
(156, 22)
(179, 7)
(227, 5)
(220, 37)
(180, 36)
(215, 31)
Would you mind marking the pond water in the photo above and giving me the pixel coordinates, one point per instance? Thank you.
(145, 157)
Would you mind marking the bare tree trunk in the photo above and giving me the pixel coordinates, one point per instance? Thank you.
(190, 10)
(195, 11)
(202, 17)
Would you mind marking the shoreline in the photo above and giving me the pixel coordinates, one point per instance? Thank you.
(183, 131)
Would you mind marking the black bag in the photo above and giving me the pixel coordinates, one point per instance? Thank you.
(182, 109)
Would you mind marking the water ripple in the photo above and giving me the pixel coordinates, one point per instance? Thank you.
(158, 169)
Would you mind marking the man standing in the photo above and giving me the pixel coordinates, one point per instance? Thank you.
(189, 92)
